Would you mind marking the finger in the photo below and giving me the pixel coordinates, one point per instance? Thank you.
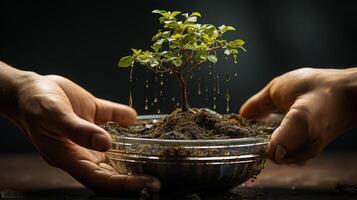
(80, 131)
(292, 133)
(258, 106)
(305, 153)
(107, 182)
(110, 111)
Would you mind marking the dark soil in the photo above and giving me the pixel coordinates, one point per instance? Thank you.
(196, 124)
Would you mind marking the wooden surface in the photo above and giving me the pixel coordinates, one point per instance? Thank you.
(29, 177)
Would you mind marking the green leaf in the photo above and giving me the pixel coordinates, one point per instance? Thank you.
(174, 14)
(156, 11)
(162, 12)
(171, 24)
(234, 51)
(142, 58)
(191, 20)
(197, 14)
(126, 61)
(185, 15)
(136, 52)
(225, 28)
(189, 46)
(236, 43)
(212, 58)
(154, 62)
(227, 52)
(177, 62)
(157, 45)
(241, 47)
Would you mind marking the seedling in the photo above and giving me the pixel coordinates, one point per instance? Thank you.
(181, 45)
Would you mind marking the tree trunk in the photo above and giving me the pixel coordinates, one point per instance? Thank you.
(184, 102)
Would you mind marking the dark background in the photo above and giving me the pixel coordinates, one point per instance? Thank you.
(83, 40)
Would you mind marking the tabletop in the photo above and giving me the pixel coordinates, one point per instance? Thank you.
(328, 176)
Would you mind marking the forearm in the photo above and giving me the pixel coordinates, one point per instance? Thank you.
(10, 81)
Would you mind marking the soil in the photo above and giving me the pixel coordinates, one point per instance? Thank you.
(196, 124)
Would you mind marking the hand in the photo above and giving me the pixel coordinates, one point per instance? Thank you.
(59, 117)
(320, 105)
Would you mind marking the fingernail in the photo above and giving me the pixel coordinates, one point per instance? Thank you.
(280, 152)
(100, 142)
(153, 185)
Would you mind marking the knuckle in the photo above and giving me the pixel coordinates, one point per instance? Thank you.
(55, 77)
(44, 104)
(301, 114)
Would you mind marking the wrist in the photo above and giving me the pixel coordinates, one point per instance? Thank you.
(11, 81)
(348, 90)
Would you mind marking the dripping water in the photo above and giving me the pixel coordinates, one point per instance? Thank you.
(199, 87)
(131, 87)
(227, 95)
(146, 103)
(218, 85)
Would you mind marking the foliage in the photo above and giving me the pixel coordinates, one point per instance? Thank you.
(182, 43)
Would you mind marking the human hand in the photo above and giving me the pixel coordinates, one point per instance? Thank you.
(319, 103)
(59, 117)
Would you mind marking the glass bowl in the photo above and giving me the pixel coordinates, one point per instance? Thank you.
(189, 166)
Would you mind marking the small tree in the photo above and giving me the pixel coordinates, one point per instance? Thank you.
(183, 45)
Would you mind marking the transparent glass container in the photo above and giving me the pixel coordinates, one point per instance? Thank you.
(186, 166)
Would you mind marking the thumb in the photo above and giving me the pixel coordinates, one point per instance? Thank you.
(82, 132)
(258, 106)
(293, 141)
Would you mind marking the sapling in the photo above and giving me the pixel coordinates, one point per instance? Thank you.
(181, 45)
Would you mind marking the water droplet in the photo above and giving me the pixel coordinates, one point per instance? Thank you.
(199, 87)
(131, 85)
(170, 72)
(146, 103)
(161, 82)
(228, 78)
(147, 83)
(218, 84)
(158, 111)
(173, 99)
(214, 106)
(228, 97)
(155, 100)
(130, 99)
(227, 108)
(235, 74)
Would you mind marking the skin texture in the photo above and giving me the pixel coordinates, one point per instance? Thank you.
(320, 104)
(60, 118)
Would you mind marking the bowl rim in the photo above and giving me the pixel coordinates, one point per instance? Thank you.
(233, 141)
